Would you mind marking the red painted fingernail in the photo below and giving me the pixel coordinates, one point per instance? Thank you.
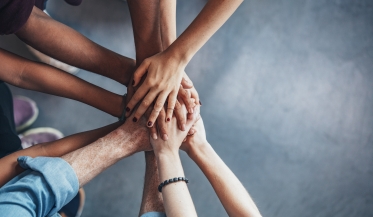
(133, 82)
(168, 119)
(128, 109)
(200, 102)
(134, 119)
(149, 123)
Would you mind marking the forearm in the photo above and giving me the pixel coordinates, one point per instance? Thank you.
(40, 77)
(9, 166)
(176, 197)
(167, 22)
(145, 18)
(91, 160)
(232, 194)
(67, 45)
(209, 20)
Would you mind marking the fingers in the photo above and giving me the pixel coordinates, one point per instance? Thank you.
(153, 129)
(144, 105)
(180, 115)
(185, 96)
(140, 71)
(172, 98)
(162, 125)
(192, 118)
(158, 106)
(186, 83)
(192, 131)
(137, 97)
(194, 95)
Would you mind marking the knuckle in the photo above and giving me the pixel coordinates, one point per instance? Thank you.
(163, 129)
(158, 105)
(145, 103)
(150, 82)
(136, 98)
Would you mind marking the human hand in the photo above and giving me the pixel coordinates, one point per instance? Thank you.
(197, 140)
(160, 126)
(175, 136)
(163, 80)
(140, 131)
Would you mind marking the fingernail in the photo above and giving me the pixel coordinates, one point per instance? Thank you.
(165, 137)
(183, 127)
(168, 119)
(149, 123)
(128, 109)
(155, 136)
(200, 102)
(134, 119)
(191, 110)
(133, 82)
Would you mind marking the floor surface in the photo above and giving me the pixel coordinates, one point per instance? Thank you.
(287, 92)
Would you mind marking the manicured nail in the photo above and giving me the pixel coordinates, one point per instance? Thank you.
(155, 137)
(134, 119)
(183, 127)
(149, 123)
(133, 82)
(128, 109)
(168, 119)
(165, 137)
(200, 102)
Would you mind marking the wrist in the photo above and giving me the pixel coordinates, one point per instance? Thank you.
(198, 151)
(182, 57)
(166, 153)
(133, 138)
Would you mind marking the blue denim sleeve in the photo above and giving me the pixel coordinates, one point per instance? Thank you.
(42, 190)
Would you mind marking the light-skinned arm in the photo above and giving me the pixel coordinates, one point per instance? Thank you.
(30, 75)
(164, 71)
(232, 194)
(168, 36)
(176, 197)
(91, 160)
(9, 165)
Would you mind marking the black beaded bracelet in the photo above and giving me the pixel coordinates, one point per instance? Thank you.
(176, 179)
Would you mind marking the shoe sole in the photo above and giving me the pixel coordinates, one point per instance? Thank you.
(33, 118)
(82, 202)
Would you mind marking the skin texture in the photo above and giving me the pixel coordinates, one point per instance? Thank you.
(40, 77)
(164, 71)
(55, 39)
(152, 200)
(93, 159)
(232, 194)
(9, 165)
(176, 196)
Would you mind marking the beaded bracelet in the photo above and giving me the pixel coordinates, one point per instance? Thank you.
(176, 179)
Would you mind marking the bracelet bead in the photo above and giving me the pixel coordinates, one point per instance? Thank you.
(168, 181)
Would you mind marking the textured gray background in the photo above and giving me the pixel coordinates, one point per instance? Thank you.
(287, 92)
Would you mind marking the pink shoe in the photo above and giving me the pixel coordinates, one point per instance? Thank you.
(25, 112)
(39, 135)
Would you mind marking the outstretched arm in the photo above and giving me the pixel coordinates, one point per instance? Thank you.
(67, 45)
(10, 168)
(232, 194)
(40, 77)
(93, 159)
(176, 197)
(164, 71)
